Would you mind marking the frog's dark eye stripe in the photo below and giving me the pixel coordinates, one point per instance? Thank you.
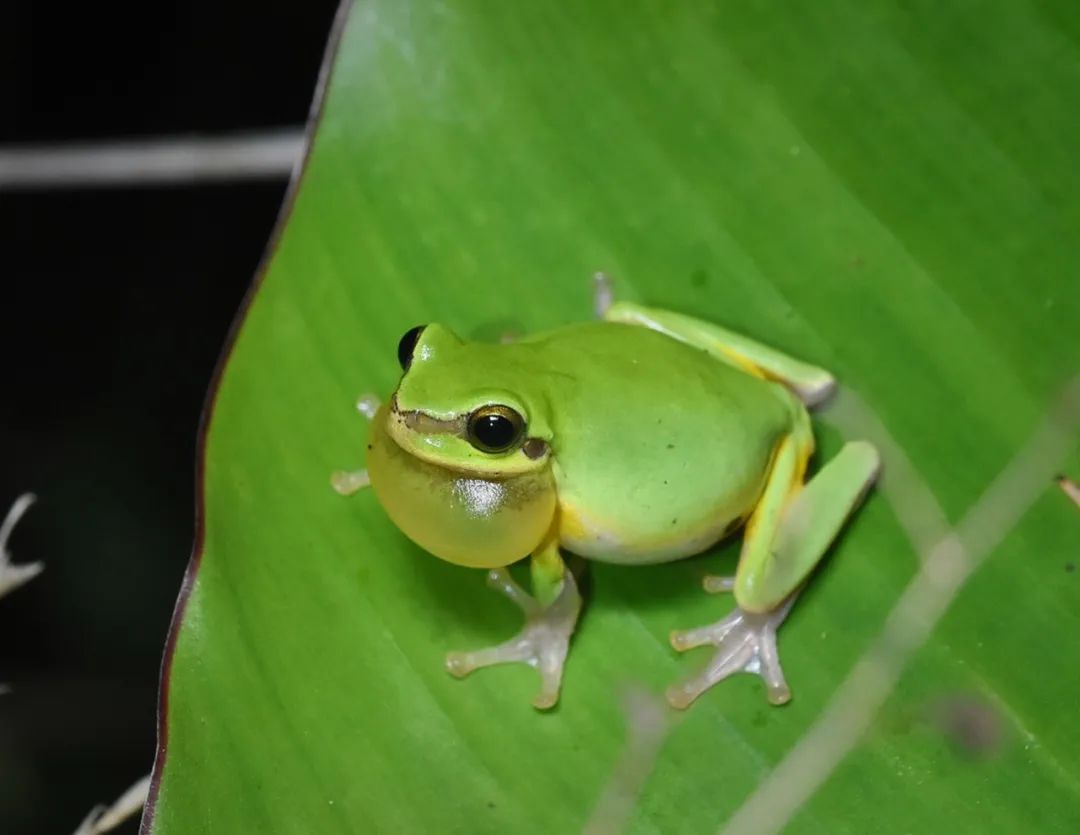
(495, 428)
(407, 344)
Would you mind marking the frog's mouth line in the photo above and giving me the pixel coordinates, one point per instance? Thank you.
(422, 423)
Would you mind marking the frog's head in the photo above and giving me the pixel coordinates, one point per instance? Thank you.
(460, 458)
(462, 405)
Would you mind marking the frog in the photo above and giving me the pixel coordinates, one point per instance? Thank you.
(637, 437)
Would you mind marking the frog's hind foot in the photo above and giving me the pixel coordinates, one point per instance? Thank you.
(603, 294)
(717, 584)
(745, 643)
(542, 643)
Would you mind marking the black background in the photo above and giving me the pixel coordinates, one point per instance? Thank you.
(114, 307)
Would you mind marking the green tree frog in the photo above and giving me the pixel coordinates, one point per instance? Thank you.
(640, 437)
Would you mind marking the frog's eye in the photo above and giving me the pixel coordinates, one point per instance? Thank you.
(495, 428)
(407, 344)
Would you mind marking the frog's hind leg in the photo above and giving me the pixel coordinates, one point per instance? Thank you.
(811, 384)
(347, 482)
(550, 618)
(787, 535)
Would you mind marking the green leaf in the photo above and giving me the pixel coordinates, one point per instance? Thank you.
(887, 189)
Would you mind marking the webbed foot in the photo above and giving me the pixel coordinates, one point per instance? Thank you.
(745, 643)
(347, 482)
(542, 643)
(716, 583)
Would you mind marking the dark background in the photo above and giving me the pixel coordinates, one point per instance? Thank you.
(115, 305)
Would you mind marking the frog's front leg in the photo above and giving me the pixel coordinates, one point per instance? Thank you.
(347, 482)
(550, 618)
(786, 536)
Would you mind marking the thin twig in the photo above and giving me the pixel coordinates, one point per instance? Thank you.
(154, 161)
(1070, 488)
(13, 576)
(648, 724)
(786, 789)
(103, 819)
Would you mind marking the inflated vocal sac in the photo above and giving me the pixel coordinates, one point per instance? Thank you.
(477, 522)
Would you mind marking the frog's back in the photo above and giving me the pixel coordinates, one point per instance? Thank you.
(659, 448)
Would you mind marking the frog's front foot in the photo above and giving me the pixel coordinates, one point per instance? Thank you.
(347, 482)
(745, 643)
(542, 643)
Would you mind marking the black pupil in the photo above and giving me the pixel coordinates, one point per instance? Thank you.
(494, 431)
(406, 346)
